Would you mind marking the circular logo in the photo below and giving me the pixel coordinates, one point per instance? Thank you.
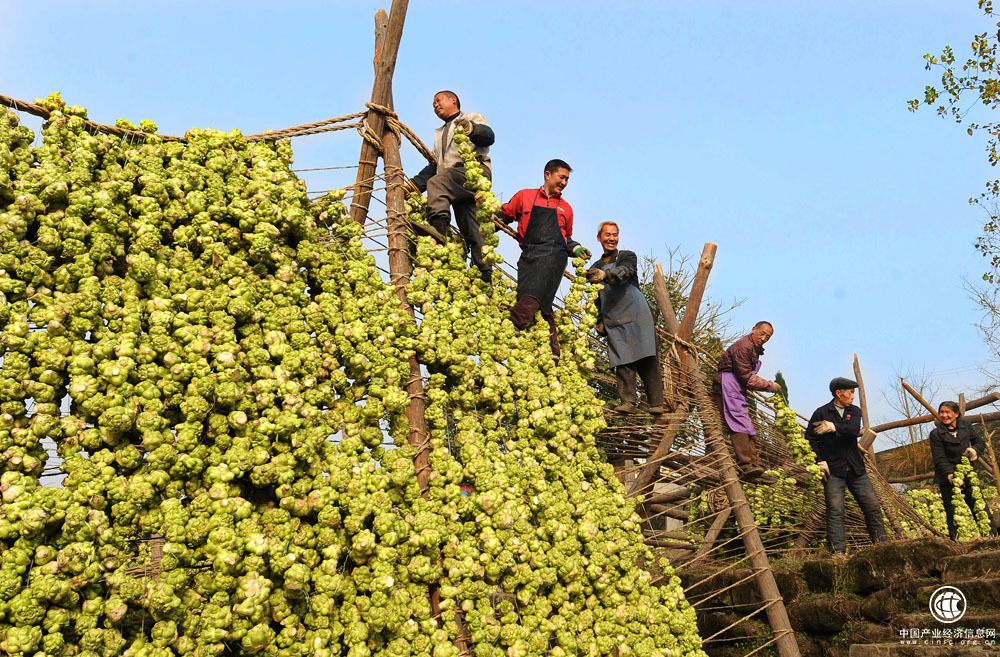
(947, 604)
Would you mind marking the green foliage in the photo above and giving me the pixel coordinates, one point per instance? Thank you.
(220, 364)
(965, 85)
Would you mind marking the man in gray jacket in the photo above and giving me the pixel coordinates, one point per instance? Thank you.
(627, 322)
(445, 181)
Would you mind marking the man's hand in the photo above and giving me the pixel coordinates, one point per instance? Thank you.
(581, 252)
(463, 124)
(410, 187)
(824, 468)
(970, 453)
(867, 435)
(596, 275)
(599, 327)
(951, 475)
(774, 387)
(823, 427)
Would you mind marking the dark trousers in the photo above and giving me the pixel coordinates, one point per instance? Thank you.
(522, 314)
(861, 487)
(446, 190)
(648, 369)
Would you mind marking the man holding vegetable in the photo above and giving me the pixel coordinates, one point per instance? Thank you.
(736, 377)
(445, 180)
(626, 321)
(545, 232)
(833, 432)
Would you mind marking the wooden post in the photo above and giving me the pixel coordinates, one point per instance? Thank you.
(911, 429)
(651, 468)
(777, 615)
(961, 404)
(686, 328)
(385, 65)
(988, 439)
(399, 272)
(715, 442)
(865, 444)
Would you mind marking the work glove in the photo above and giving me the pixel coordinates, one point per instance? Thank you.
(823, 427)
(596, 275)
(970, 453)
(867, 434)
(463, 124)
(581, 252)
(824, 468)
(774, 387)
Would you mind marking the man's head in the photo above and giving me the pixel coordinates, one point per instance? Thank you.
(607, 235)
(446, 104)
(761, 333)
(556, 176)
(843, 390)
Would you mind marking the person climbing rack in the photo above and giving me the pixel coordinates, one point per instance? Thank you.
(445, 181)
(626, 321)
(545, 232)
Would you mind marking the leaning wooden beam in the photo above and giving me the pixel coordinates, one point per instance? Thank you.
(920, 399)
(712, 535)
(385, 65)
(647, 475)
(777, 615)
(991, 398)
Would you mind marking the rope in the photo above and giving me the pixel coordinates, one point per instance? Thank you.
(316, 127)
(41, 112)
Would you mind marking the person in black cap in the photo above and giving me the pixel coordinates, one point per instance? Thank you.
(833, 432)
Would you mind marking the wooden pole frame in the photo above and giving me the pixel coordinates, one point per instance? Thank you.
(385, 65)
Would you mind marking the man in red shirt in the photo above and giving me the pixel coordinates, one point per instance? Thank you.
(545, 231)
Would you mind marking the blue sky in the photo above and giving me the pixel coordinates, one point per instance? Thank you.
(776, 129)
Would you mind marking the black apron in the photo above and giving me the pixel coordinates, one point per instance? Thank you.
(544, 254)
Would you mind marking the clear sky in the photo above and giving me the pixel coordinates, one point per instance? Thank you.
(777, 129)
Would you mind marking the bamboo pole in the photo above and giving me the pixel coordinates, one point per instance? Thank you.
(991, 398)
(385, 65)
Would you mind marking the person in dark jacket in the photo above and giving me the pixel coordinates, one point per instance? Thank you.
(545, 232)
(737, 375)
(833, 432)
(444, 181)
(950, 440)
(625, 318)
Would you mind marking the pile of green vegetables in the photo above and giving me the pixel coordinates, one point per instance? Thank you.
(222, 371)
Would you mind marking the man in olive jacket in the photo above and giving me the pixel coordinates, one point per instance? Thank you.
(833, 432)
(627, 322)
